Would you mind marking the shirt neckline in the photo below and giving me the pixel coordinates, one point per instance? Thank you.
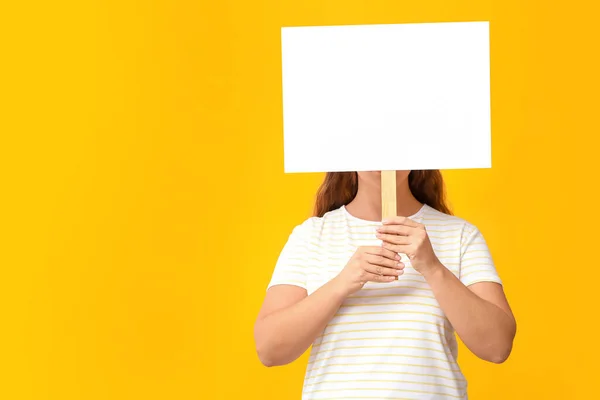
(366, 221)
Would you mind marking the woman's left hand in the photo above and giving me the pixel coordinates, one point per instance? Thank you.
(403, 235)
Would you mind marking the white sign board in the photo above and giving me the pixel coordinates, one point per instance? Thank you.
(386, 97)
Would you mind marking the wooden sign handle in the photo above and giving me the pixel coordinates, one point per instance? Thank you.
(388, 194)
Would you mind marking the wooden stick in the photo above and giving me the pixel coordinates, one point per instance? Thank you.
(388, 194)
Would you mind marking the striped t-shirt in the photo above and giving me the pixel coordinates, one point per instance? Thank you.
(388, 340)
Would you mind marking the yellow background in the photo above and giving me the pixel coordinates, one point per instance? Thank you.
(144, 201)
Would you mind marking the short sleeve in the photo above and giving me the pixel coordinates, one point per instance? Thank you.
(291, 266)
(476, 263)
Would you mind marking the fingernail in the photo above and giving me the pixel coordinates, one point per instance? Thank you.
(400, 264)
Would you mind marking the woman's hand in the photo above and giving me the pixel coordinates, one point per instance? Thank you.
(403, 235)
(369, 263)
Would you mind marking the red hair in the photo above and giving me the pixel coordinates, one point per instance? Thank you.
(339, 188)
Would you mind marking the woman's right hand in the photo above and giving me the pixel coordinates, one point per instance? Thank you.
(369, 264)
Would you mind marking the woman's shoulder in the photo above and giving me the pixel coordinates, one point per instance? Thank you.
(434, 218)
(315, 224)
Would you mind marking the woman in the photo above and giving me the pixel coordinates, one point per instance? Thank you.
(380, 301)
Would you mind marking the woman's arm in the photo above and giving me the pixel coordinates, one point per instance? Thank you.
(480, 313)
(289, 321)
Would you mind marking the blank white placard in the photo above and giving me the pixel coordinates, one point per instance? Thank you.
(386, 97)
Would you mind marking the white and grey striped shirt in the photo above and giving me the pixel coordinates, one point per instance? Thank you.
(387, 341)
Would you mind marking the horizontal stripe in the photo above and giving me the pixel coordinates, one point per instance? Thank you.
(382, 330)
(428, 289)
(474, 272)
(390, 312)
(426, 366)
(442, 237)
(386, 355)
(461, 381)
(399, 283)
(321, 244)
(434, 384)
(345, 235)
(452, 230)
(392, 295)
(484, 250)
(297, 272)
(388, 338)
(326, 249)
(479, 243)
(476, 258)
(390, 304)
(447, 250)
(458, 256)
(378, 347)
(445, 243)
(390, 389)
(425, 220)
(457, 224)
(390, 321)
(478, 263)
(395, 285)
